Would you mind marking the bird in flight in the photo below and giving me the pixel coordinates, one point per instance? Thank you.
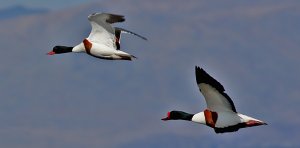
(103, 41)
(221, 114)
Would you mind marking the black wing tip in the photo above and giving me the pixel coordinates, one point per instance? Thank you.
(121, 18)
(114, 18)
(130, 32)
(118, 18)
(200, 73)
(203, 77)
(199, 70)
(144, 38)
(112, 14)
(134, 57)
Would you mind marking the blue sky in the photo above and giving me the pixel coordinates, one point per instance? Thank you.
(75, 101)
(53, 4)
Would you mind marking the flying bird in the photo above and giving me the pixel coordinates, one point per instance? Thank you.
(103, 41)
(221, 114)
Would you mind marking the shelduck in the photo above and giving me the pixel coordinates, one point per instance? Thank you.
(103, 41)
(221, 114)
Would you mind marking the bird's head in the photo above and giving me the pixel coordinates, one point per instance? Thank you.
(60, 49)
(178, 115)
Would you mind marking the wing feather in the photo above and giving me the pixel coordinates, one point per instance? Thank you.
(213, 92)
(102, 32)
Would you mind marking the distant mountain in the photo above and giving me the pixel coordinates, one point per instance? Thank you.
(19, 10)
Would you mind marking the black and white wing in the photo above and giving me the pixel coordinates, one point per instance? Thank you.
(213, 92)
(102, 32)
(119, 31)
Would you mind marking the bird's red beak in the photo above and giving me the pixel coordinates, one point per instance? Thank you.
(167, 118)
(51, 53)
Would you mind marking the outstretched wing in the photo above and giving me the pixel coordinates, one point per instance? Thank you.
(102, 32)
(119, 31)
(213, 92)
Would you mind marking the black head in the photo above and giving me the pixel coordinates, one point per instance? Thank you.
(60, 49)
(178, 115)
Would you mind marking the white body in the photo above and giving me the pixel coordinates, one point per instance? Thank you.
(225, 119)
(102, 51)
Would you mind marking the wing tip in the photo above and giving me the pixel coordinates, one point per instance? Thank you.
(199, 73)
(203, 77)
(199, 69)
(113, 18)
(130, 32)
(110, 17)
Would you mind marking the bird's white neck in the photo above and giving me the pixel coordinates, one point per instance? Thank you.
(199, 118)
(79, 48)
